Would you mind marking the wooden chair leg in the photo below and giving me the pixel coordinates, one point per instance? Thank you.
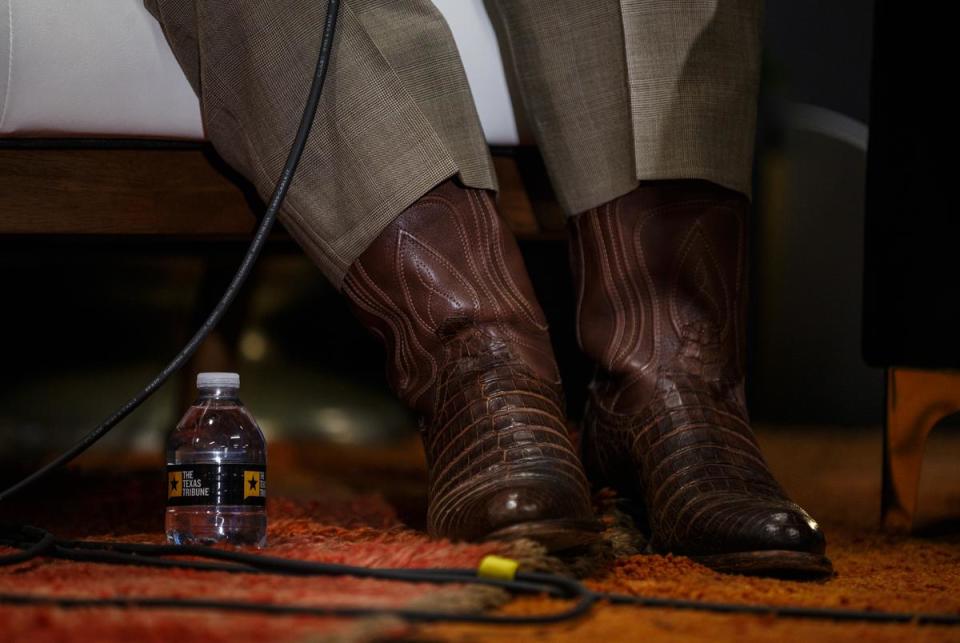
(916, 401)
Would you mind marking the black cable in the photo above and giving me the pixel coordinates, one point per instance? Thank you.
(820, 613)
(256, 245)
(149, 555)
(38, 542)
(140, 554)
(423, 616)
(45, 541)
(581, 608)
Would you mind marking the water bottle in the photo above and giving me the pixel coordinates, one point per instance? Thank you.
(217, 470)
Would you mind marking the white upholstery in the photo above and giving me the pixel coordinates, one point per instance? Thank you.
(103, 68)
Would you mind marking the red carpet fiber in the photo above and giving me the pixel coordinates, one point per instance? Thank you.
(356, 529)
(354, 504)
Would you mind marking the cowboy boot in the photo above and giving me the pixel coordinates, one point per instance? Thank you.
(445, 288)
(661, 276)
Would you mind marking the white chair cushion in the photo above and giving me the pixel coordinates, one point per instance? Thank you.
(103, 68)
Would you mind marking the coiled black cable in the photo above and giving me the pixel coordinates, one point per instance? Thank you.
(34, 542)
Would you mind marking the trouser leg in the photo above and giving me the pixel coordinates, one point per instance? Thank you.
(396, 117)
(694, 70)
(568, 60)
(622, 91)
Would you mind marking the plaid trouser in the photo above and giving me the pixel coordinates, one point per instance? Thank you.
(614, 91)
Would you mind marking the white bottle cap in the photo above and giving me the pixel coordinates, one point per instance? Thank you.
(218, 380)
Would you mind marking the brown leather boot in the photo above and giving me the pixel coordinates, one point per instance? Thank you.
(661, 274)
(445, 288)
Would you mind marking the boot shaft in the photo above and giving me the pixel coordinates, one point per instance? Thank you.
(447, 269)
(661, 286)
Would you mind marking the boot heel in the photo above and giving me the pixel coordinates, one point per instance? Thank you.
(916, 401)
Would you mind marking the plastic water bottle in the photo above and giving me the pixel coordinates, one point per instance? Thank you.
(217, 470)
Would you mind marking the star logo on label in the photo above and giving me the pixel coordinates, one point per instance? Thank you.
(174, 484)
(253, 484)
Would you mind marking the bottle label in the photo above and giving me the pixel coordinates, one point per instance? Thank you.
(216, 484)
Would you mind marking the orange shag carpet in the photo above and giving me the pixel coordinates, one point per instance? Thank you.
(335, 527)
(366, 507)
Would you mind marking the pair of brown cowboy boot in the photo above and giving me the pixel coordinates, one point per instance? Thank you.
(660, 276)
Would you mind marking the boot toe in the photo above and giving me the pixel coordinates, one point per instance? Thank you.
(791, 529)
(745, 523)
(540, 507)
(763, 525)
(785, 542)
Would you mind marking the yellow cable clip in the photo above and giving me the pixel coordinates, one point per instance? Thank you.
(497, 568)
